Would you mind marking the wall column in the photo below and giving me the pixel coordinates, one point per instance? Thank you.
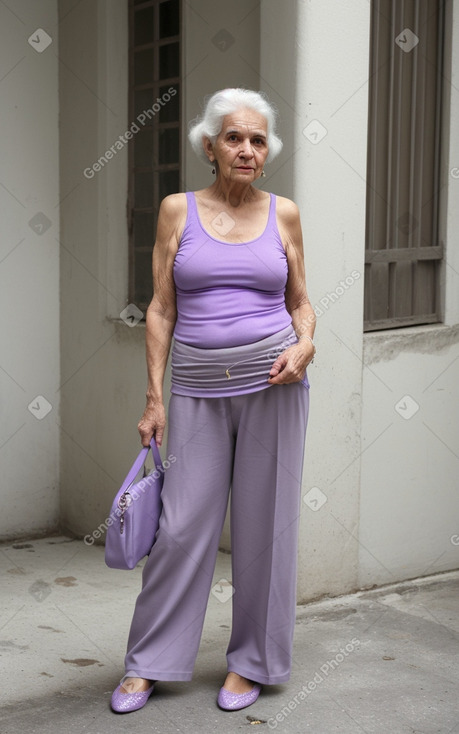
(314, 65)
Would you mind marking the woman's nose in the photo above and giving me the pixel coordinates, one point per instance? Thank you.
(246, 149)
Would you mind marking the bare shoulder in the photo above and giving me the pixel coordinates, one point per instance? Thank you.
(172, 217)
(288, 224)
(287, 211)
(174, 204)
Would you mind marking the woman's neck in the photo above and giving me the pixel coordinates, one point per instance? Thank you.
(234, 194)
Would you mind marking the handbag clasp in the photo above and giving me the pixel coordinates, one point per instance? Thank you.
(123, 504)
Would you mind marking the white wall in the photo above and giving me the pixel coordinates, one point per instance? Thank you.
(410, 463)
(327, 179)
(29, 269)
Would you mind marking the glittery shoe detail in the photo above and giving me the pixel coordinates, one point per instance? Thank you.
(124, 702)
(234, 701)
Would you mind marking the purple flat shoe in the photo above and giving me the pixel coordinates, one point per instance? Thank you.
(125, 702)
(234, 701)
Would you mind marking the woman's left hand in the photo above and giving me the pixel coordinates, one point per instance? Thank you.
(290, 366)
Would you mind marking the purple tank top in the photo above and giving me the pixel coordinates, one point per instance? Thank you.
(229, 294)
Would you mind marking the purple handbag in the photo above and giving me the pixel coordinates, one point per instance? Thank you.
(135, 514)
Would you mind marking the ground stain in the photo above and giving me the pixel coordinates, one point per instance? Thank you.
(18, 571)
(20, 546)
(82, 662)
(40, 589)
(10, 644)
(46, 627)
(66, 581)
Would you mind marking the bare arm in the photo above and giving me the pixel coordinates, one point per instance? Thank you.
(161, 315)
(290, 366)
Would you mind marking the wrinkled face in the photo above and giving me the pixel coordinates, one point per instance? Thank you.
(241, 147)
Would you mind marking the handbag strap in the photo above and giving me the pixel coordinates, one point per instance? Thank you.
(155, 452)
(140, 461)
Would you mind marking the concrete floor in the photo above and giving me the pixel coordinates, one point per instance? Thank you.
(377, 662)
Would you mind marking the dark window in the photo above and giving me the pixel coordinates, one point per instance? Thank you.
(403, 252)
(155, 148)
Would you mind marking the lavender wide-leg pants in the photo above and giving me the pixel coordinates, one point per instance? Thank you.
(255, 444)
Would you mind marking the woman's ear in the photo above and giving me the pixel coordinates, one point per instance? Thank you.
(208, 148)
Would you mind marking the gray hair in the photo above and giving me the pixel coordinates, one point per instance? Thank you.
(225, 102)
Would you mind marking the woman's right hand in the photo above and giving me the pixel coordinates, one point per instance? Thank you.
(152, 423)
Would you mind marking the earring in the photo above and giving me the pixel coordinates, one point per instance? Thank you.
(263, 173)
(213, 169)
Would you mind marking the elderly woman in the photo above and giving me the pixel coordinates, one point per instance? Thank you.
(229, 286)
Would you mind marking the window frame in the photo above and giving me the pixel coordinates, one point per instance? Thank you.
(380, 210)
